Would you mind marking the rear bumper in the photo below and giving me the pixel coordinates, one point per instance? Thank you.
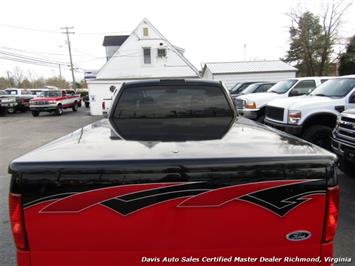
(291, 129)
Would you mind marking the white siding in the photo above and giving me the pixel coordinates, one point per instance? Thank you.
(111, 50)
(230, 79)
(99, 91)
(128, 63)
(207, 74)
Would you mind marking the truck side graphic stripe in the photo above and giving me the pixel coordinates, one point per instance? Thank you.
(278, 196)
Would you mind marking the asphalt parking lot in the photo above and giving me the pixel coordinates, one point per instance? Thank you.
(20, 133)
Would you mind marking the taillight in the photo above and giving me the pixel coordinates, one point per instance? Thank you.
(103, 106)
(332, 210)
(17, 221)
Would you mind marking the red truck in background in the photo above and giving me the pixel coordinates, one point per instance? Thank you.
(174, 175)
(55, 101)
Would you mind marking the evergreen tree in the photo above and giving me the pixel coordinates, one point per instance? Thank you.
(347, 59)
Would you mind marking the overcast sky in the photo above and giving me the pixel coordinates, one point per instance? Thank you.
(208, 30)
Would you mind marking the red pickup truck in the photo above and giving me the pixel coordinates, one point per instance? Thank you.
(55, 101)
(174, 175)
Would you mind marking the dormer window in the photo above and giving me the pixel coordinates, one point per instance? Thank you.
(145, 32)
(161, 52)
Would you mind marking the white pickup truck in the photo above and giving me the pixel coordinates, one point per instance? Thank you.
(106, 102)
(313, 116)
(253, 106)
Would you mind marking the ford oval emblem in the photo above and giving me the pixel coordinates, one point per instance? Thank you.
(298, 235)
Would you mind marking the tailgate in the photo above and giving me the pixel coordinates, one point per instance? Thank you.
(190, 212)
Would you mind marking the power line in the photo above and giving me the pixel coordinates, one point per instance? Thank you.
(30, 58)
(28, 29)
(58, 32)
(32, 51)
(4, 57)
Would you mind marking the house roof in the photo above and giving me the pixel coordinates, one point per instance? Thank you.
(114, 40)
(248, 66)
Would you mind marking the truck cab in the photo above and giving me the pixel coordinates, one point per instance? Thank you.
(313, 116)
(252, 106)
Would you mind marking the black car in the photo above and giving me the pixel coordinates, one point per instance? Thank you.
(258, 87)
(239, 87)
(86, 100)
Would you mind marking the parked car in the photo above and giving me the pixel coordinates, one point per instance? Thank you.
(239, 87)
(6, 102)
(253, 106)
(173, 172)
(258, 87)
(54, 101)
(343, 138)
(313, 116)
(86, 100)
(23, 97)
(254, 88)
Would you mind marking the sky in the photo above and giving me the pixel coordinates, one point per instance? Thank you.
(209, 31)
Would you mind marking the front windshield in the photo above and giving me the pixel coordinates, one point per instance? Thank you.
(2, 92)
(235, 87)
(337, 88)
(51, 94)
(241, 88)
(282, 86)
(251, 88)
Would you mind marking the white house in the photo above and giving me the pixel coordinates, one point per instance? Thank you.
(232, 72)
(144, 54)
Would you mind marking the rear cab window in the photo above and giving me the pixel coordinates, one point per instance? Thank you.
(172, 101)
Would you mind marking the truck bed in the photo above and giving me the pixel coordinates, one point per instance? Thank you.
(101, 197)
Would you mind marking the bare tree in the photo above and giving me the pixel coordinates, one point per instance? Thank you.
(31, 76)
(331, 21)
(17, 76)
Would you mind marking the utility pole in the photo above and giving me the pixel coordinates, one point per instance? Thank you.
(67, 32)
(60, 71)
(9, 78)
(245, 52)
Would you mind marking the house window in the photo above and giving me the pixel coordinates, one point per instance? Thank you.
(145, 32)
(147, 56)
(161, 52)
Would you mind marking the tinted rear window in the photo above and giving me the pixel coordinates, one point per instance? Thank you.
(172, 101)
